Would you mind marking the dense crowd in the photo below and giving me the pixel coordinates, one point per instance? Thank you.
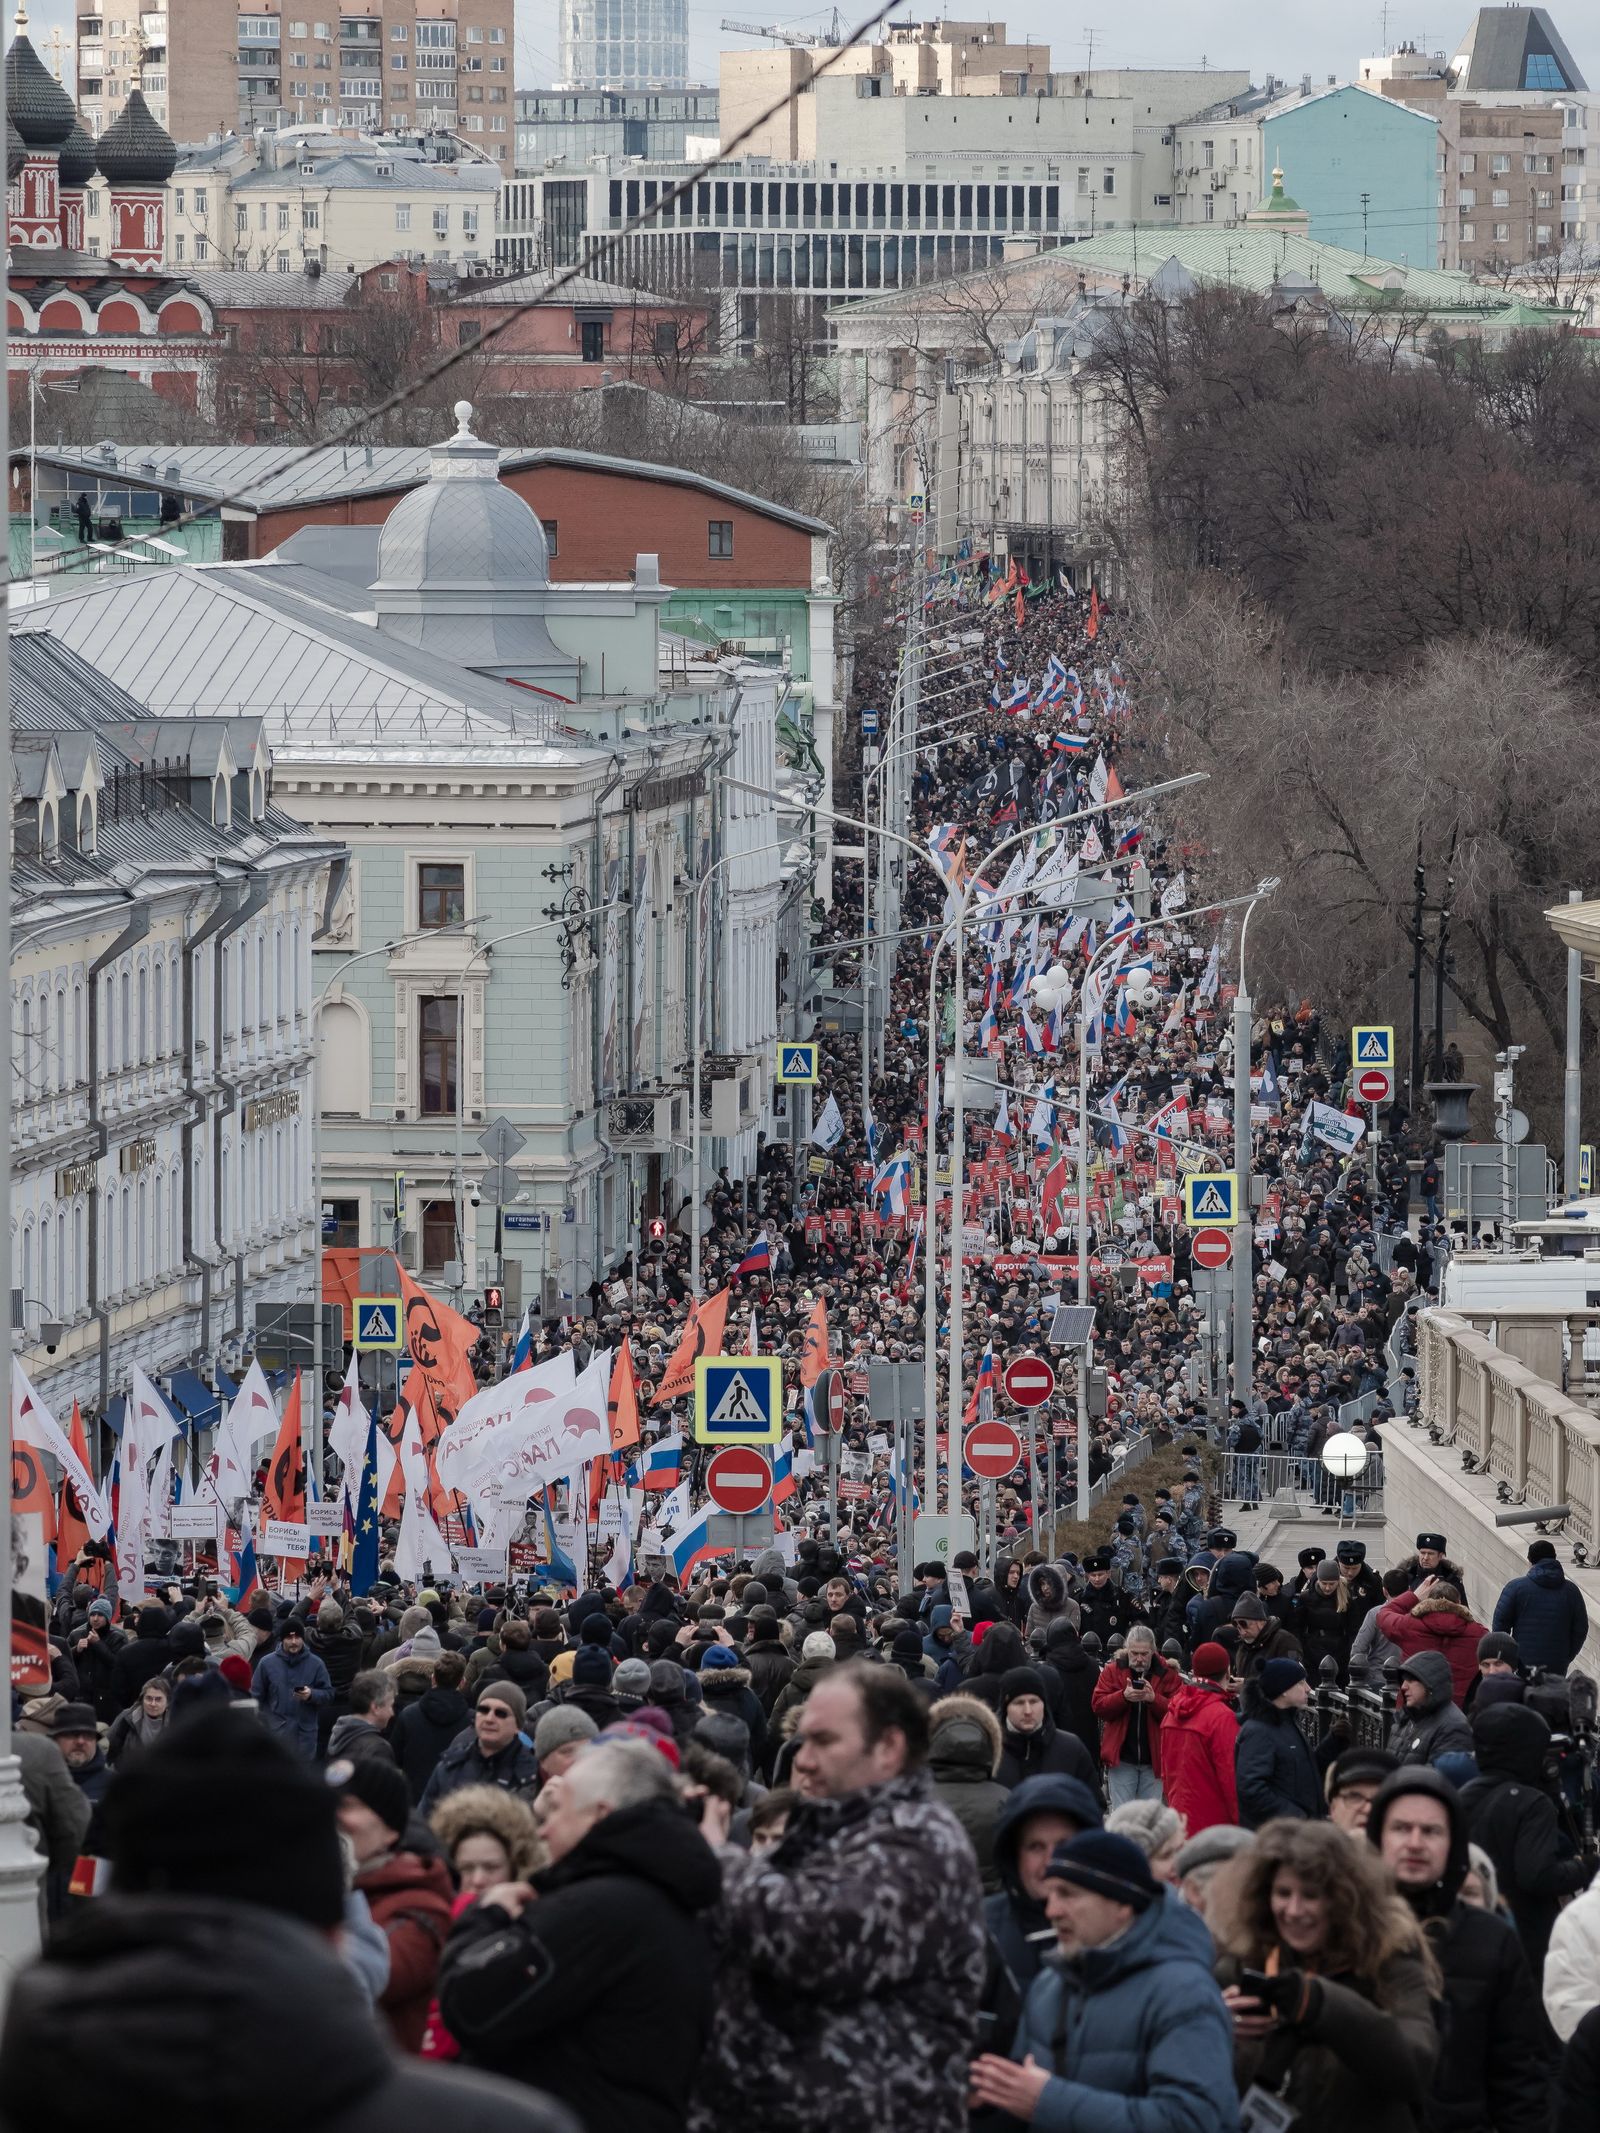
(1148, 1837)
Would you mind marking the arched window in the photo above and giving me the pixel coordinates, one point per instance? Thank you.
(25, 1049)
(143, 1025)
(125, 1258)
(80, 1066)
(29, 1292)
(126, 1023)
(158, 1229)
(141, 1239)
(108, 1244)
(159, 1011)
(66, 1287)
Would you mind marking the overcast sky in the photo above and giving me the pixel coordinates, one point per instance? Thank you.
(1294, 37)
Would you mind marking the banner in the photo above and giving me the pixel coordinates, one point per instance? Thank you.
(516, 1436)
(1337, 1129)
(32, 1424)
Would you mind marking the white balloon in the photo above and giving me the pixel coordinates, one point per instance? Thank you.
(1058, 977)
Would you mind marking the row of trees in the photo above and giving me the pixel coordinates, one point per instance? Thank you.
(1368, 591)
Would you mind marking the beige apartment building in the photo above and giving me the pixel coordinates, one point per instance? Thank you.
(210, 67)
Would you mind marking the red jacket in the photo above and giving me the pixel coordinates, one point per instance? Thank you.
(1435, 1626)
(1198, 1734)
(411, 1901)
(1114, 1711)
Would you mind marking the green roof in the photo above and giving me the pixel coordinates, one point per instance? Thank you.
(1251, 257)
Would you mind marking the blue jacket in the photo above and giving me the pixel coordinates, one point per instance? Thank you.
(282, 1712)
(1546, 1615)
(1276, 1772)
(1146, 2045)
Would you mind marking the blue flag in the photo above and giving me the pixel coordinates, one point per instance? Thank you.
(364, 1539)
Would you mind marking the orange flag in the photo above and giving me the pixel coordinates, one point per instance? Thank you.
(1091, 629)
(1115, 790)
(622, 1405)
(814, 1358)
(702, 1336)
(72, 1533)
(285, 1496)
(30, 1491)
(1021, 608)
(438, 1385)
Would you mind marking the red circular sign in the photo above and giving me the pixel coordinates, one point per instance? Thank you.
(992, 1449)
(739, 1480)
(1030, 1380)
(837, 1394)
(1373, 1086)
(1211, 1247)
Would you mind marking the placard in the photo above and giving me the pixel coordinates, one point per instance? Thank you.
(325, 1519)
(285, 1536)
(480, 1566)
(193, 1521)
(956, 1585)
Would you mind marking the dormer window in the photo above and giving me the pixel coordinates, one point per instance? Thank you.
(49, 830)
(258, 796)
(88, 823)
(221, 810)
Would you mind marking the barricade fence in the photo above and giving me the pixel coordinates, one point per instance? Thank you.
(1299, 1479)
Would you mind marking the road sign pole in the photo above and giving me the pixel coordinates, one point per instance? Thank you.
(1033, 1470)
(830, 1466)
(1049, 1546)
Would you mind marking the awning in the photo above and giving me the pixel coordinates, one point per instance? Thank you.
(196, 1399)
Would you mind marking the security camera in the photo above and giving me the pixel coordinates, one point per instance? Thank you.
(50, 1332)
(474, 1196)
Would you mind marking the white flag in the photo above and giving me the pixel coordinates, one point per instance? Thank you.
(528, 1429)
(148, 1428)
(1211, 976)
(33, 1423)
(1174, 896)
(420, 1542)
(829, 1128)
(252, 1417)
(1337, 1128)
(347, 1438)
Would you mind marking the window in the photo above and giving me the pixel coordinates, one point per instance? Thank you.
(438, 1056)
(341, 1224)
(1233, 151)
(438, 1235)
(1499, 166)
(469, 222)
(1542, 71)
(1207, 154)
(398, 34)
(1466, 199)
(402, 216)
(474, 36)
(202, 248)
(497, 36)
(1468, 162)
(497, 66)
(177, 199)
(297, 29)
(1469, 233)
(441, 894)
(1500, 197)
(283, 262)
(309, 218)
(551, 529)
(594, 340)
(397, 62)
(441, 222)
(1502, 233)
(468, 330)
(1541, 233)
(719, 544)
(1545, 198)
(1108, 179)
(283, 214)
(177, 246)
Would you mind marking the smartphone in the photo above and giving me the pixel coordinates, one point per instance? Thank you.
(1258, 1985)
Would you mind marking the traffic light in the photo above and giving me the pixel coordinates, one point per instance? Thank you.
(656, 1233)
(494, 1308)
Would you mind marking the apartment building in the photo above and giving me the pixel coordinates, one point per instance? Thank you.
(624, 44)
(571, 125)
(1519, 139)
(207, 68)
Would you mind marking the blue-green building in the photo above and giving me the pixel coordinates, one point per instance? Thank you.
(1363, 167)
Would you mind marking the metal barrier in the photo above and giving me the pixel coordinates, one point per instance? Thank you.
(1359, 1716)
(1301, 1479)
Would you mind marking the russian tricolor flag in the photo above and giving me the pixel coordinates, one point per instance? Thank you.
(661, 1464)
(981, 1406)
(783, 1481)
(692, 1543)
(758, 1260)
(522, 1354)
(245, 1580)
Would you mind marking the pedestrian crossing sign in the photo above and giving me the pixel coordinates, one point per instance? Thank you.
(1586, 1167)
(1211, 1199)
(797, 1065)
(375, 1323)
(738, 1399)
(1372, 1044)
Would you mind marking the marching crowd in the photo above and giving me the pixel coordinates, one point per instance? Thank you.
(1105, 1840)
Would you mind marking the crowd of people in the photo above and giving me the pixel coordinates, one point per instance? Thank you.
(1153, 1836)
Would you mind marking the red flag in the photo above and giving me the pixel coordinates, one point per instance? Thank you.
(285, 1496)
(1091, 628)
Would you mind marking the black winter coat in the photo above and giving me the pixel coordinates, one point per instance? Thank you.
(1493, 2074)
(1511, 1815)
(421, 1734)
(1276, 1772)
(618, 1923)
(1047, 1753)
(139, 1661)
(771, 1666)
(163, 2010)
(1577, 2098)
(1072, 1704)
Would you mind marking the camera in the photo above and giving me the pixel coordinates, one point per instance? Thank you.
(474, 1196)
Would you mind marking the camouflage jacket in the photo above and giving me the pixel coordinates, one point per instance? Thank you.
(850, 1968)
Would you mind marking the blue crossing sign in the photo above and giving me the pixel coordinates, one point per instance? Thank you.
(1211, 1199)
(1372, 1044)
(1586, 1167)
(869, 724)
(738, 1399)
(797, 1065)
(375, 1323)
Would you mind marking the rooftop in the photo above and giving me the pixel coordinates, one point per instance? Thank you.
(365, 173)
(1510, 48)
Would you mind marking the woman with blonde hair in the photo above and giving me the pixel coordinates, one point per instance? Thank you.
(1330, 1983)
(489, 1836)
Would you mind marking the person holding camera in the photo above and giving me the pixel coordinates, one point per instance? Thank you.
(1330, 1985)
(1130, 1701)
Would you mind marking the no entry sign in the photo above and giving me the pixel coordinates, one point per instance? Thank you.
(739, 1480)
(1211, 1247)
(992, 1450)
(1375, 1085)
(1030, 1380)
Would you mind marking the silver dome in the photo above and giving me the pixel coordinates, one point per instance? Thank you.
(463, 528)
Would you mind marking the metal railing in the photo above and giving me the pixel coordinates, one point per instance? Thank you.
(1360, 1716)
(1299, 1479)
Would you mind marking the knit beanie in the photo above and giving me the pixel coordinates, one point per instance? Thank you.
(561, 1668)
(1021, 1681)
(716, 1655)
(632, 1678)
(509, 1694)
(560, 1727)
(1278, 1676)
(425, 1643)
(591, 1667)
(1110, 1865)
(277, 1845)
(377, 1784)
(1210, 1661)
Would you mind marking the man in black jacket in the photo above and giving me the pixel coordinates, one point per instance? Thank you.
(1511, 1813)
(1277, 1774)
(1493, 2075)
(532, 1987)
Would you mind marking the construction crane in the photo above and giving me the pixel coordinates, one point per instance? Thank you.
(834, 34)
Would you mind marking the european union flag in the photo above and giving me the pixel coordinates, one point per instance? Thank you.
(364, 1546)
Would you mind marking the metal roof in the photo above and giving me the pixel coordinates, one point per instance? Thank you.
(242, 289)
(352, 173)
(264, 477)
(579, 289)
